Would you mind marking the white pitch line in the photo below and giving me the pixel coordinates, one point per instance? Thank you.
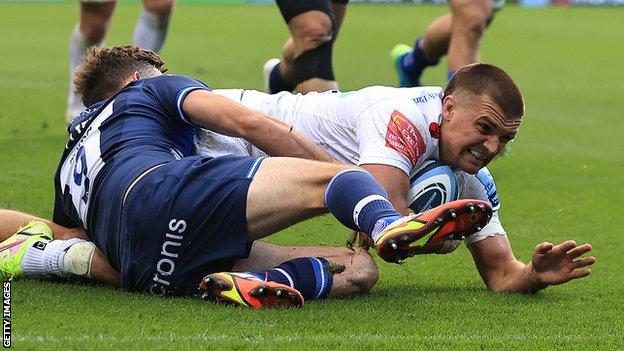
(294, 338)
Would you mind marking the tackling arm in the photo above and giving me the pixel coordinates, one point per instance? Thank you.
(550, 265)
(227, 117)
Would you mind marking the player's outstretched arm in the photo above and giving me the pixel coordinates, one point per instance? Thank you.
(227, 117)
(550, 265)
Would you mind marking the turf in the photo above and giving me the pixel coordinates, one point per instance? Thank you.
(561, 181)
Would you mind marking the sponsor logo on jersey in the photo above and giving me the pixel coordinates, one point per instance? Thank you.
(424, 98)
(403, 136)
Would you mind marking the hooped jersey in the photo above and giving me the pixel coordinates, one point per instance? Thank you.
(112, 143)
(376, 125)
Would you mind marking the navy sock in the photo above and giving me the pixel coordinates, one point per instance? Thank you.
(309, 275)
(358, 201)
(277, 83)
(416, 61)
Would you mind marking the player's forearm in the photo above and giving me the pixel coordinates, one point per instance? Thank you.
(515, 277)
(224, 116)
(279, 139)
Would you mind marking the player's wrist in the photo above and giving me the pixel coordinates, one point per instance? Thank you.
(532, 277)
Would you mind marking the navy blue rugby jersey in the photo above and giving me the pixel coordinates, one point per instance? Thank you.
(112, 143)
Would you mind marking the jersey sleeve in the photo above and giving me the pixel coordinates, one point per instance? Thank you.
(170, 91)
(391, 132)
(481, 186)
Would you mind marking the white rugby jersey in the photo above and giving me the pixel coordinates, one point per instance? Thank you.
(375, 125)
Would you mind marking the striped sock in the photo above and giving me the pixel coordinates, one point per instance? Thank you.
(309, 275)
(358, 201)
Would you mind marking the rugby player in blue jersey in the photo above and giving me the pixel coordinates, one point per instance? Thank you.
(165, 217)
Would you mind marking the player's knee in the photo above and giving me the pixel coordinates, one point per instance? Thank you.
(160, 8)
(313, 32)
(474, 23)
(473, 18)
(363, 274)
(94, 32)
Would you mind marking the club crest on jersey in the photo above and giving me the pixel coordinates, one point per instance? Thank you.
(403, 136)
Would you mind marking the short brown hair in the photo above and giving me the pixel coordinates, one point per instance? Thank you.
(485, 79)
(105, 70)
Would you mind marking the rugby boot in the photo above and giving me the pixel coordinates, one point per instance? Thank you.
(245, 290)
(13, 249)
(452, 221)
(397, 53)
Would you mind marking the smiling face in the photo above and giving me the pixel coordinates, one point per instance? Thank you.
(473, 131)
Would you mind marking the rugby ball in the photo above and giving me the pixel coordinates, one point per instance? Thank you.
(431, 185)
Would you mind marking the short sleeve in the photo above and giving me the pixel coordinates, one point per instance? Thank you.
(391, 132)
(170, 91)
(481, 186)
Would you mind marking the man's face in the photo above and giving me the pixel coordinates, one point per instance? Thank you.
(473, 131)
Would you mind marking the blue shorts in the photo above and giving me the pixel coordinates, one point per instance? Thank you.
(183, 220)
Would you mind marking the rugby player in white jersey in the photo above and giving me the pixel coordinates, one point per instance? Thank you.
(392, 131)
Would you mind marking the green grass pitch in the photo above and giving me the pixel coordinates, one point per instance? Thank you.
(561, 181)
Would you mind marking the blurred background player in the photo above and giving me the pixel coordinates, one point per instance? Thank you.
(306, 63)
(95, 17)
(458, 33)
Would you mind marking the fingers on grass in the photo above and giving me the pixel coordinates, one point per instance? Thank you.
(566, 246)
(584, 262)
(543, 247)
(579, 250)
(580, 273)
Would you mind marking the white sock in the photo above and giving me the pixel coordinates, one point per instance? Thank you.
(150, 31)
(32, 263)
(78, 257)
(49, 257)
(77, 48)
(382, 224)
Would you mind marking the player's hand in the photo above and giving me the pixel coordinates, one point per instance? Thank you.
(360, 240)
(557, 264)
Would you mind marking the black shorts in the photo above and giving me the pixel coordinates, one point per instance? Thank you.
(293, 8)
